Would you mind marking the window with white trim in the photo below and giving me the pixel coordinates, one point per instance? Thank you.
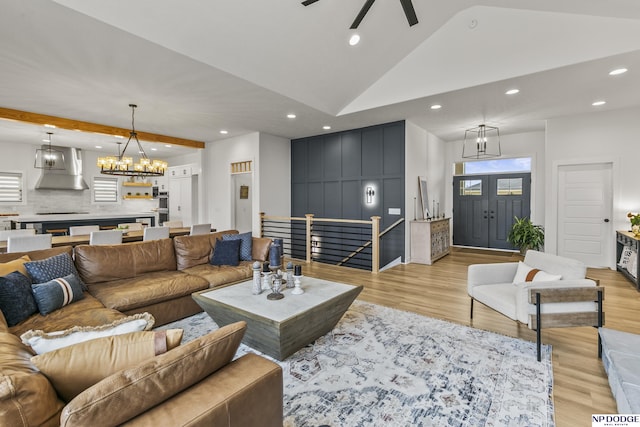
(105, 189)
(11, 187)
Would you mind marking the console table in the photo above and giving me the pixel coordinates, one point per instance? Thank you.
(627, 238)
(429, 240)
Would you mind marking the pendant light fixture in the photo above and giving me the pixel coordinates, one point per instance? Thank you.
(121, 165)
(481, 142)
(48, 157)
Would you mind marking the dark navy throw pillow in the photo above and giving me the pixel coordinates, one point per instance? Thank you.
(226, 252)
(246, 245)
(44, 270)
(16, 299)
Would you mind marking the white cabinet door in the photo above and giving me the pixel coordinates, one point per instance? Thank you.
(162, 182)
(180, 201)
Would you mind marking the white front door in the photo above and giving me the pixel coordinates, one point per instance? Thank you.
(585, 207)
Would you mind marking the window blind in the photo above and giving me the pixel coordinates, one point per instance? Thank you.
(10, 187)
(105, 190)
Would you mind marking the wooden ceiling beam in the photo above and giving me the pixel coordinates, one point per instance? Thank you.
(70, 124)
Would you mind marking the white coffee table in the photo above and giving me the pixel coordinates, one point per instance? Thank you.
(279, 328)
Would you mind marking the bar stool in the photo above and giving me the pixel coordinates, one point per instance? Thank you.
(57, 231)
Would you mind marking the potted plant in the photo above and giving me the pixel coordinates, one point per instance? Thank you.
(525, 235)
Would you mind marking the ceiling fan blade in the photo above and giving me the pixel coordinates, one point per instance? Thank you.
(409, 11)
(363, 12)
(308, 2)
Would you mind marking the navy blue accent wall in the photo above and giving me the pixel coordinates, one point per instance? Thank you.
(330, 174)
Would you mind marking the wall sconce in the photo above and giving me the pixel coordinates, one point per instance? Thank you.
(369, 193)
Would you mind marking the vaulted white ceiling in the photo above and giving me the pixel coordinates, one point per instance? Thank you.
(195, 67)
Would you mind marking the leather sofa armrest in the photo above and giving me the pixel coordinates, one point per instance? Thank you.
(487, 274)
(245, 393)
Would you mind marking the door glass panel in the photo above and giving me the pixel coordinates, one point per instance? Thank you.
(471, 187)
(509, 187)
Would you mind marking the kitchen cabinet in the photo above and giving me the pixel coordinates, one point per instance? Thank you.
(429, 240)
(180, 171)
(182, 199)
(162, 182)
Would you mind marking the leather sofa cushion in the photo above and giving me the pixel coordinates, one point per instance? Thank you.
(86, 312)
(37, 255)
(26, 396)
(103, 263)
(196, 250)
(260, 248)
(247, 392)
(217, 275)
(73, 369)
(148, 289)
(132, 391)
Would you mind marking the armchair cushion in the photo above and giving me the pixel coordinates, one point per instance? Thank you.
(526, 273)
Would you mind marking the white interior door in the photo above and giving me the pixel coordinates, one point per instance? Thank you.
(584, 213)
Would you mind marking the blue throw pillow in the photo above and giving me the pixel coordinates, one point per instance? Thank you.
(44, 270)
(226, 252)
(57, 293)
(246, 245)
(16, 299)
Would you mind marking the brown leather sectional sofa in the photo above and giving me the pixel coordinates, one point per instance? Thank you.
(156, 277)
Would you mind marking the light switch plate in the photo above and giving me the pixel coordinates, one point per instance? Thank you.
(395, 211)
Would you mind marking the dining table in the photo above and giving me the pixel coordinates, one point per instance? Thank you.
(83, 239)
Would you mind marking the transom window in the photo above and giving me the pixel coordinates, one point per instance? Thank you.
(484, 167)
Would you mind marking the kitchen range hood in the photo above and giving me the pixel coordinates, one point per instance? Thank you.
(69, 178)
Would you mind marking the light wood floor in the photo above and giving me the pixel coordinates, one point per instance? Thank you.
(580, 385)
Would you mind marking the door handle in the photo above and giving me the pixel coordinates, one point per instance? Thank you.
(606, 220)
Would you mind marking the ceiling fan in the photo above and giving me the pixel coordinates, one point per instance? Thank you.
(407, 6)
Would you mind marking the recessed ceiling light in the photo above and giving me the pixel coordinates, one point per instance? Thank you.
(154, 149)
(98, 146)
(291, 116)
(436, 106)
(119, 136)
(45, 140)
(224, 132)
(326, 127)
(167, 145)
(354, 39)
(599, 103)
(618, 71)
(512, 91)
(50, 126)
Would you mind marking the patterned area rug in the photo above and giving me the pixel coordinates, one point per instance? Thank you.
(385, 367)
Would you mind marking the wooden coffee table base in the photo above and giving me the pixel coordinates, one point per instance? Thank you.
(286, 325)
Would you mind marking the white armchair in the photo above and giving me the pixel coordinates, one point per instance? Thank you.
(545, 291)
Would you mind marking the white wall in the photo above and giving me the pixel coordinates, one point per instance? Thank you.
(270, 191)
(274, 184)
(415, 166)
(608, 136)
(529, 144)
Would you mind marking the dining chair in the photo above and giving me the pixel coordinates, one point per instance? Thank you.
(5, 234)
(106, 237)
(131, 226)
(173, 224)
(200, 229)
(79, 230)
(155, 233)
(28, 243)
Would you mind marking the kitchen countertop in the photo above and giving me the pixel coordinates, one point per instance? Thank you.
(75, 217)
